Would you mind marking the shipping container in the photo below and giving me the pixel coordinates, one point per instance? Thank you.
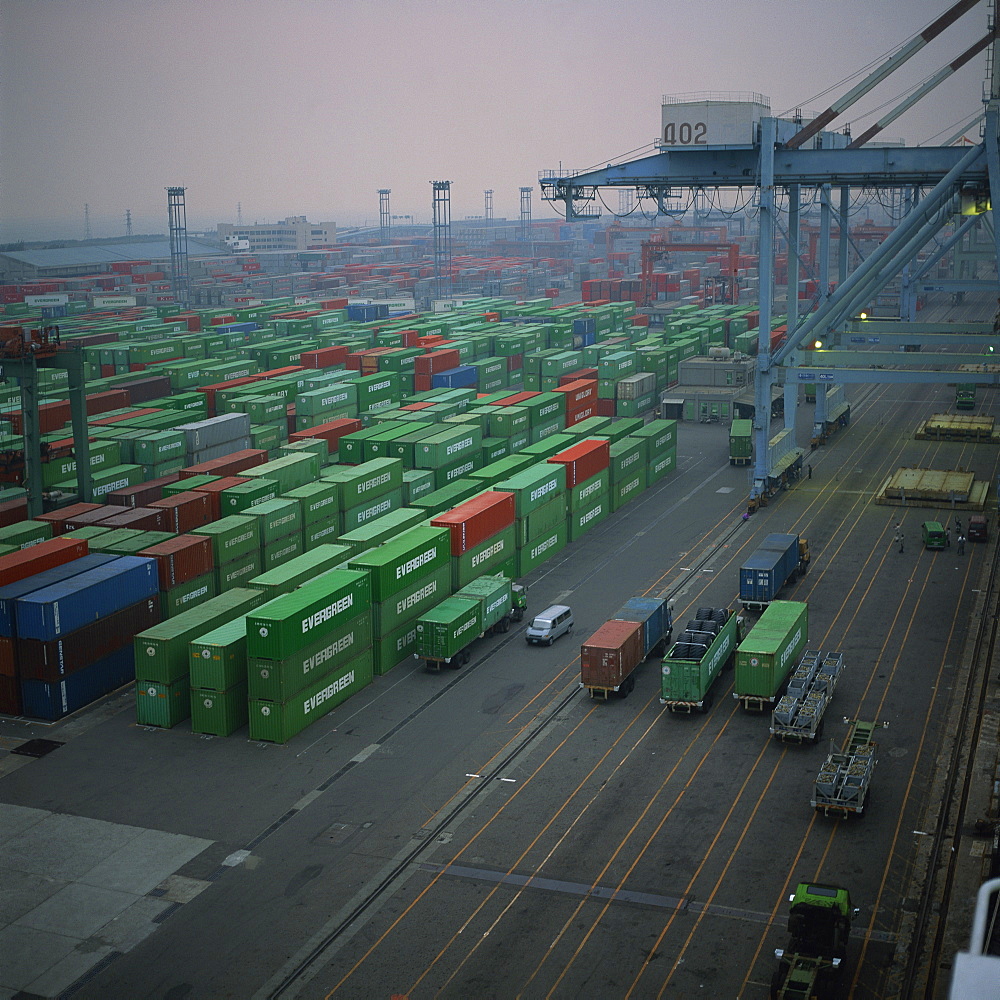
(413, 554)
(693, 663)
(57, 699)
(471, 523)
(609, 657)
(778, 560)
(219, 713)
(180, 559)
(765, 658)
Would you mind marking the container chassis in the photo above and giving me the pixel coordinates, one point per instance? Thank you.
(798, 716)
(844, 779)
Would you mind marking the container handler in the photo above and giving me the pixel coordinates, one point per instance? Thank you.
(819, 925)
(767, 655)
(694, 662)
(608, 659)
(485, 606)
(779, 559)
(798, 716)
(843, 781)
(965, 396)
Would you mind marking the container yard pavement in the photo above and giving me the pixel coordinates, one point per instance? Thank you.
(76, 890)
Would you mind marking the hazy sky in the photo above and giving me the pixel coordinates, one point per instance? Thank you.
(307, 107)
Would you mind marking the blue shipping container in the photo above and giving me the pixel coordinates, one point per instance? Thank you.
(45, 700)
(64, 607)
(654, 614)
(462, 377)
(13, 591)
(768, 569)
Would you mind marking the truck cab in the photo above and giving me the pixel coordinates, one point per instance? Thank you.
(978, 528)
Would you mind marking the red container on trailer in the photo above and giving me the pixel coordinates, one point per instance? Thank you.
(89, 517)
(140, 518)
(212, 491)
(58, 518)
(180, 559)
(583, 460)
(436, 361)
(324, 357)
(475, 520)
(52, 659)
(142, 494)
(611, 654)
(227, 465)
(185, 510)
(45, 555)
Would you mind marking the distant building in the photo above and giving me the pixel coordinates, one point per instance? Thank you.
(293, 233)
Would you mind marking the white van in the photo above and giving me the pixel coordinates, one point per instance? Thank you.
(550, 624)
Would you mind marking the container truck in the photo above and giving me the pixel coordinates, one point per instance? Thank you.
(780, 559)
(694, 662)
(798, 716)
(487, 605)
(843, 781)
(819, 925)
(608, 659)
(741, 442)
(765, 658)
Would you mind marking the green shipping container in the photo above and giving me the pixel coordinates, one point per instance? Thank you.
(279, 680)
(583, 493)
(534, 553)
(232, 537)
(448, 628)
(162, 705)
(237, 499)
(627, 489)
(276, 519)
(24, 534)
(766, 657)
(382, 529)
(161, 652)
(398, 645)
(584, 518)
(370, 510)
(291, 622)
(280, 551)
(534, 487)
(660, 434)
(276, 723)
(317, 501)
(418, 596)
(660, 465)
(361, 483)
(488, 557)
(219, 713)
(542, 520)
(188, 595)
(219, 657)
(414, 554)
(301, 569)
(237, 572)
(320, 533)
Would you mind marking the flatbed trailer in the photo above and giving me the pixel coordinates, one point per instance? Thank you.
(842, 785)
(798, 716)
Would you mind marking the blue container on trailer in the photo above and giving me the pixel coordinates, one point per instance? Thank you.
(654, 615)
(10, 594)
(53, 700)
(767, 570)
(66, 606)
(462, 377)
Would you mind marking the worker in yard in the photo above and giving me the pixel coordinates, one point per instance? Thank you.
(961, 544)
(947, 537)
(898, 536)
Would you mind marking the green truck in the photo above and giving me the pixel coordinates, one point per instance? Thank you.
(819, 925)
(695, 660)
(487, 605)
(766, 657)
(741, 442)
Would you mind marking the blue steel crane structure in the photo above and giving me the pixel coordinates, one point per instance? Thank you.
(940, 185)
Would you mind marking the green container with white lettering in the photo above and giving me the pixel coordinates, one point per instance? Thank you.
(459, 470)
(580, 521)
(317, 501)
(398, 645)
(487, 557)
(301, 569)
(280, 551)
(292, 622)
(273, 722)
(237, 572)
(360, 483)
(660, 465)
(628, 488)
(188, 595)
(320, 533)
(276, 519)
(413, 554)
(583, 494)
(232, 537)
(381, 529)
(416, 597)
(417, 483)
(289, 472)
(370, 510)
(542, 519)
(534, 487)
(532, 554)
(279, 680)
(239, 498)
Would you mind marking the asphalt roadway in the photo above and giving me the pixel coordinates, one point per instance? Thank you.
(494, 833)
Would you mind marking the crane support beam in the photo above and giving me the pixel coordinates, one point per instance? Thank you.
(843, 358)
(891, 331)
(843, 376)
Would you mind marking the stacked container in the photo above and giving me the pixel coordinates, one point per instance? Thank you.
(235, 549)
(581, 400)
(661, 448)
(586, 468)
(408, 575)
(482, 536)
(366, 491)
(184, 572)
(307, 652)
(215, 437)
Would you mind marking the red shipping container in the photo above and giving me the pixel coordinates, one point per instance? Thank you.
(226, 465)
(578, 416)
(472, 522)
(212, 491)
(8, 658)
(583, 460)
(611, 654)
(58, 518)
(325, 357)
(10, 695)
(12, 511)
(577, 376)
(51, 416)
(89, 517)
(278, 372)
(518, 397)
(142, 494)
(422, 383)
(140, 518)
(604, 408)
(101, 402)
(436, 361)
(108, 421)
(180, 559)
(211, 390)
(417, 406)
(185, 511)
(51, 660)
(578, 393)
(45, 555)
(515, 362)
(331, 432)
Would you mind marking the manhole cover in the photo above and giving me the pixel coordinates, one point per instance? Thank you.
(37, 748)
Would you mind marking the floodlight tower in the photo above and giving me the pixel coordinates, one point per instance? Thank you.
(177, 223)
(626, 201)
(384, 218)
(525, 214)
(442, 239)
(488, 207)
(128, 221)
